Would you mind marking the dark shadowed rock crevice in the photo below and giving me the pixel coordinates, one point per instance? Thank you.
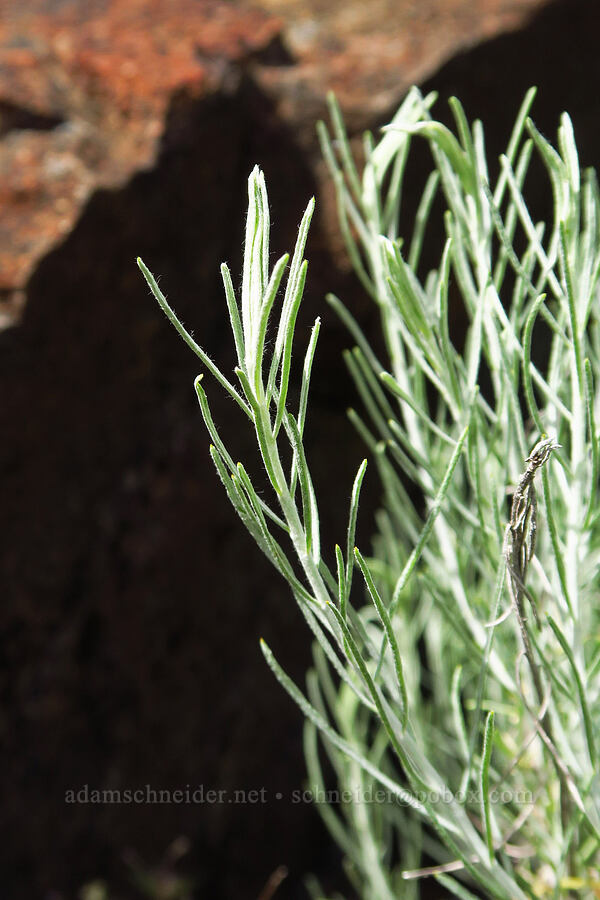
(133, 600)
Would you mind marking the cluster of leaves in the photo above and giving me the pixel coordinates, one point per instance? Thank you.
(455, 688)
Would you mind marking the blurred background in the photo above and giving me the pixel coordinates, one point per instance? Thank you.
(132, 600)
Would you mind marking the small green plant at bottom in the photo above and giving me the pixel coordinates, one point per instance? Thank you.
(456, 671)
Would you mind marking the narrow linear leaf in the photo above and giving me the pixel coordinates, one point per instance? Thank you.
(310, 513)
(445, 826)
(587, 720)
(179, 327)
(553, 531)
(457, 713)
(341, 579)
(353, 516)
(438, 134)
(593, 441)
(389, 631)
(306, 373)
(287, 349)
(486, 756)
(575, 333)
(234, 315)
(403, 796)
(421, 219)
(343, 671)
(267, 305)
(391, 383)
(355, 330)
(210, 425)
(429, 523)
(344, 145)
(455, 887)
(527, 384)
(261, 435)
(316, 783)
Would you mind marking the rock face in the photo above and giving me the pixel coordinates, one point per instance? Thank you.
(86, 88)
(132, 600)
(85, 91)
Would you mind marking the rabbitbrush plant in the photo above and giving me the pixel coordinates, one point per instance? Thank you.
(456, 661)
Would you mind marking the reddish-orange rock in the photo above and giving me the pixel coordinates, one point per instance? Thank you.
(85, 88)
(83, 100)
(370, 53)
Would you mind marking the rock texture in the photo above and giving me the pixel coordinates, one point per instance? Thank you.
(85, 91)
(369, 54)
(85, 88)
(132, 601)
